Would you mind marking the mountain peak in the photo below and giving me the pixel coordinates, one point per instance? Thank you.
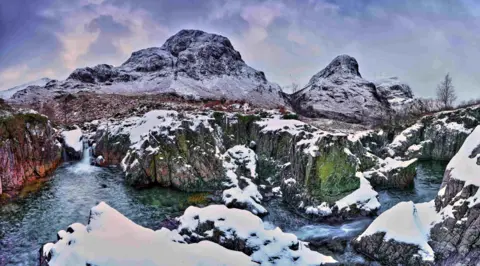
(342, 65)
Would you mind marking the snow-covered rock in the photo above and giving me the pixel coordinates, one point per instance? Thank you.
(441, 232)
(240, 164)
(340, 92)
(242, 231)
(392, 173)
(112, 239)
(438, 136)
(8, 93)
(400, 235)
(73, 143)
(397, 93)
(191, 63)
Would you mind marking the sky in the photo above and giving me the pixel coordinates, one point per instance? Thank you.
(417, 41)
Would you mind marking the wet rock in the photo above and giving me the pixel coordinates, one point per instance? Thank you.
(28, 149)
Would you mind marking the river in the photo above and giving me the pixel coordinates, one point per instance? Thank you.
(44, 208)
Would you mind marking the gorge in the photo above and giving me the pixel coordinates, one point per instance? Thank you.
(137, 163)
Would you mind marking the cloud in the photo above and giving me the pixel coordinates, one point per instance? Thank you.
(419, 41)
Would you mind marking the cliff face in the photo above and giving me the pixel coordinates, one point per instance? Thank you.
(28, 149)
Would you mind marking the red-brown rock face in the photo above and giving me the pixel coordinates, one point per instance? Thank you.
(28, 150)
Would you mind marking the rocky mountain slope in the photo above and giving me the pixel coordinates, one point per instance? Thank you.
(8, 93)
(340, 92)
(192, 64)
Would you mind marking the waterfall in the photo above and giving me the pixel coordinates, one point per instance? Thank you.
(86, 154)
(64, 154)
(83, 166)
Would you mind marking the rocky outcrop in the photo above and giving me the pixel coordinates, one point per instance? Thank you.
(435, 137)
(441, 232)
(398, 94)
(340, 92)
(111, 238)
(28, 149)
(209, 151)
(192, 64)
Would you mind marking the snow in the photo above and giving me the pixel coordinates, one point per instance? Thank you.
(364, 197)
(249, 194)
(388, 165)
(408, 223)
(277, 124)
(270, 247)
(110, 239)
(73, 140)
(464, 167)
(8, 93)
(400, 139)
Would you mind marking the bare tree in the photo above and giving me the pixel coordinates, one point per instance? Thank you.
(295, 87)
(446, 92)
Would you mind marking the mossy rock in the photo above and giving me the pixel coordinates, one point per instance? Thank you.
(334, 176)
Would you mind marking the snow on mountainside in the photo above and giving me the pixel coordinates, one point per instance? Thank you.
(397, 93)
(8, 93)
(340, 92)
(192, 63)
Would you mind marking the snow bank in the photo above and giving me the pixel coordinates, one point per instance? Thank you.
(463, 166)
(278, 124)
(270, 247)
(73, 140)
(408, 223)
(388, 166)
(364, 197)
(112, 239)
(246, 195)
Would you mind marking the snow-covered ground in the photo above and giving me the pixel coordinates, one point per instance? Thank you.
(110, 239)
(407, 223)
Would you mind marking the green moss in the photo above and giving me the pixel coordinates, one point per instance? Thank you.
(247, 119)
(334, 176)
(290, 116)
(182, 145)
(13, 127)
(218, 116)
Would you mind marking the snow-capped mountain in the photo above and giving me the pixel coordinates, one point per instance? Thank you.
(340, 92)
(398, 94)
(192, 63)
(8, 93)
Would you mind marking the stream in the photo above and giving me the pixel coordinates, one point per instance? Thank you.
(44, 208)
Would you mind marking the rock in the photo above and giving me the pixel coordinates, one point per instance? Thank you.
(392, 173)
(435, 137)
(440, 232)
(399, 95)
(192, 64)
(108, 232)
(28, 149)
(73, 143)
(242, 231)
(340, 92)
(8, 93)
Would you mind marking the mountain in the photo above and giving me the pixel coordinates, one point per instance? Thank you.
(192, 64)
(340, 92)
(397, 93)
(8, 93)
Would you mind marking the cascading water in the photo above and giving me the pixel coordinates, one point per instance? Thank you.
(85, 164)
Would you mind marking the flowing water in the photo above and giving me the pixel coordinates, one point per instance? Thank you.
(35, 217)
